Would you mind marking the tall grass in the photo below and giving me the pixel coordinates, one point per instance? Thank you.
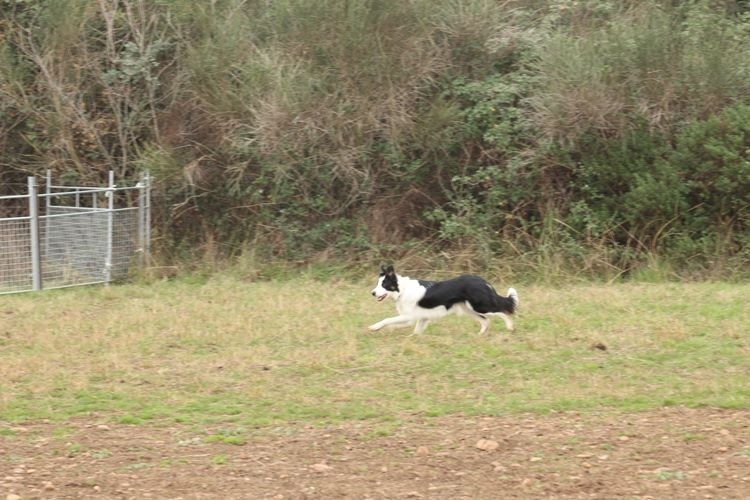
(649, 63)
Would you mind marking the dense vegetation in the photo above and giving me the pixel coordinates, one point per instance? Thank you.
(600, 137)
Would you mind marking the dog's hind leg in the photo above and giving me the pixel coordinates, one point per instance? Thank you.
(506, 317)
(421, 325)
(484, 321)
(508, 321)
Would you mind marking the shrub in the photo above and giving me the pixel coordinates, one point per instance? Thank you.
(581, 134)
(713, 156)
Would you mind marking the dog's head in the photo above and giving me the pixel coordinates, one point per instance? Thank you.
(387, 284)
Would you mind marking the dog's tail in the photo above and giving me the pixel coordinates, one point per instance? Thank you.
(513, 295)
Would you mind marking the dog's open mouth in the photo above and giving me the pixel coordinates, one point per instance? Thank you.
(382, 297)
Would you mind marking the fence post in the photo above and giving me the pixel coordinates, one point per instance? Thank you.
(147, 221)
(142, 220)
(47, 203)
(110, 227)
(36, 265)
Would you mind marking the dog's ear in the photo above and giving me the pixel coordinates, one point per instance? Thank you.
(389, 271)
(382, 269)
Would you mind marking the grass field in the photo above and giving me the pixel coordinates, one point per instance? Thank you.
(265, 353)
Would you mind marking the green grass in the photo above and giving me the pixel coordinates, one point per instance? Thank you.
(264, 354)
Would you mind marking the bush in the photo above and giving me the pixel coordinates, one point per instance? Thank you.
(581, 135)
(713, 156)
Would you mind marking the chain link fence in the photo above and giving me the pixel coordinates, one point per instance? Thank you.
(72, 235)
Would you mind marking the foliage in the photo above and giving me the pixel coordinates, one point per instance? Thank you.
(588, 135)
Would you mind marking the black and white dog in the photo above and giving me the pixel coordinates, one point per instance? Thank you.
(418, 302)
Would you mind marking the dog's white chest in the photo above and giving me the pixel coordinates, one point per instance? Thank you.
(411, 293)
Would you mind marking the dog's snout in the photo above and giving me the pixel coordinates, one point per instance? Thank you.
(373, 293)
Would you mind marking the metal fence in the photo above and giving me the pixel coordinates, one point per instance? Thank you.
(73, 235)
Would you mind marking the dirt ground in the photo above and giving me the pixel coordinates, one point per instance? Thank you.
(670, 453)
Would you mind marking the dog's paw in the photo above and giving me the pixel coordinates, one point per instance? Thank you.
(373, 328)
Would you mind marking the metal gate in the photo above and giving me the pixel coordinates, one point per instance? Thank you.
(73, 235)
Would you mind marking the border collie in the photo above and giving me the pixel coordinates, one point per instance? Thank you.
(418, 302)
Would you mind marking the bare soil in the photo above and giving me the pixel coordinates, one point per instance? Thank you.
(669, 453)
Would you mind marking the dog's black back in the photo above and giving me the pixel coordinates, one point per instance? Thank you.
(467, 288)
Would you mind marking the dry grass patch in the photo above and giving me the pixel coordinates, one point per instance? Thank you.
(261, 353)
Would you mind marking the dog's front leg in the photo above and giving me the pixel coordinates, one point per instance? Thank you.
(396, 321)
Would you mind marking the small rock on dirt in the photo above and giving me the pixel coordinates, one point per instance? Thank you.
(321, 467)
(487, 444)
